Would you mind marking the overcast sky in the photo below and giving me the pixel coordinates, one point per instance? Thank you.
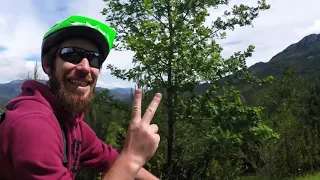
(23, 23)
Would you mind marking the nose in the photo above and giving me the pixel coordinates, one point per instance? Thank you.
(83, 67)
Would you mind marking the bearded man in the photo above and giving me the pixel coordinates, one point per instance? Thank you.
(43, 134)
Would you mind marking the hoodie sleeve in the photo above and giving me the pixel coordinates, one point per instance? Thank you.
(35, 149)
(95, 154)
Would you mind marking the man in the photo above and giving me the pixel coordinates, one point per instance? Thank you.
(43, 135)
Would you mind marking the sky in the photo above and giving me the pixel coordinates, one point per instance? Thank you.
(24, 22)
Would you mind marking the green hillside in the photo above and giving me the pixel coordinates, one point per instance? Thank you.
(303, 56)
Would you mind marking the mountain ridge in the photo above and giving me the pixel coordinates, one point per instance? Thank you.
(304, 42)
(303, 56)
(13, 88)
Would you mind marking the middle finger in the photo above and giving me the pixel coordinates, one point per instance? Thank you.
(136, 105)
(147, 117)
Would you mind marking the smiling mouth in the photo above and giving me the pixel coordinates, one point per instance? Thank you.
(78, 82)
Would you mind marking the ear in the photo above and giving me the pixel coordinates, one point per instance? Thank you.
(46, 65)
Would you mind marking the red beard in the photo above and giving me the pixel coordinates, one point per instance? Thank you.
(73, 102)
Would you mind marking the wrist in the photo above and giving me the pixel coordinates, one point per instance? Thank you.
(130, 162)
(143, 174)
(122, 168)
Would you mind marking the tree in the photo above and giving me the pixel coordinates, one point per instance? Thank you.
(175, 51)
(108, 118)
(35, 73)
(292, 107)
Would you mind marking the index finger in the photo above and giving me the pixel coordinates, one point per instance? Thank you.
(136, 105)
(147, 117)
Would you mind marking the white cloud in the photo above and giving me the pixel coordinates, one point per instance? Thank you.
(20, 33)
(87, 8)
(314, 28)
(22, 30)
(23, 24)
(285, 23)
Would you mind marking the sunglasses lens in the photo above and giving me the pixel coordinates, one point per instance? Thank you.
(93, 59)
(71, 55)
(75, 56)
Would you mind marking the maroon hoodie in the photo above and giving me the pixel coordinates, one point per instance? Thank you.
(31, 141)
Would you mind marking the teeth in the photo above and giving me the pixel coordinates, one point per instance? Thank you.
(80, 83)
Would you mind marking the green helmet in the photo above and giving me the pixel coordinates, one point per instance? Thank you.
(80, 26)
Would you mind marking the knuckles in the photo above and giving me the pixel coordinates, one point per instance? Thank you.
(135, 108)
(144, 130)
(149, 110)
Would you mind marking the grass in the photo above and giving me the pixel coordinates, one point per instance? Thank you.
(308, 177)
(251, 178)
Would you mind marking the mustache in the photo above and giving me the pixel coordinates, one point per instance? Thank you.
(87, 78)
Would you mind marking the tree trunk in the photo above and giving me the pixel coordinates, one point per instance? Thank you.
(170, 89)
(170, 115)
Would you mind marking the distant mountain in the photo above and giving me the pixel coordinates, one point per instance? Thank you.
(303, 56)
(13, 88)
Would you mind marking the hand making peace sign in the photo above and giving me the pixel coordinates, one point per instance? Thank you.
(142, 139)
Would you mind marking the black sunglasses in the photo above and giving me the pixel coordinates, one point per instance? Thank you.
(75, 55)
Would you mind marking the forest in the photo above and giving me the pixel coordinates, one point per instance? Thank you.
(217, 137)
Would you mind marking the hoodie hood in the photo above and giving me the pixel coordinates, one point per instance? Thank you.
(35, 91)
